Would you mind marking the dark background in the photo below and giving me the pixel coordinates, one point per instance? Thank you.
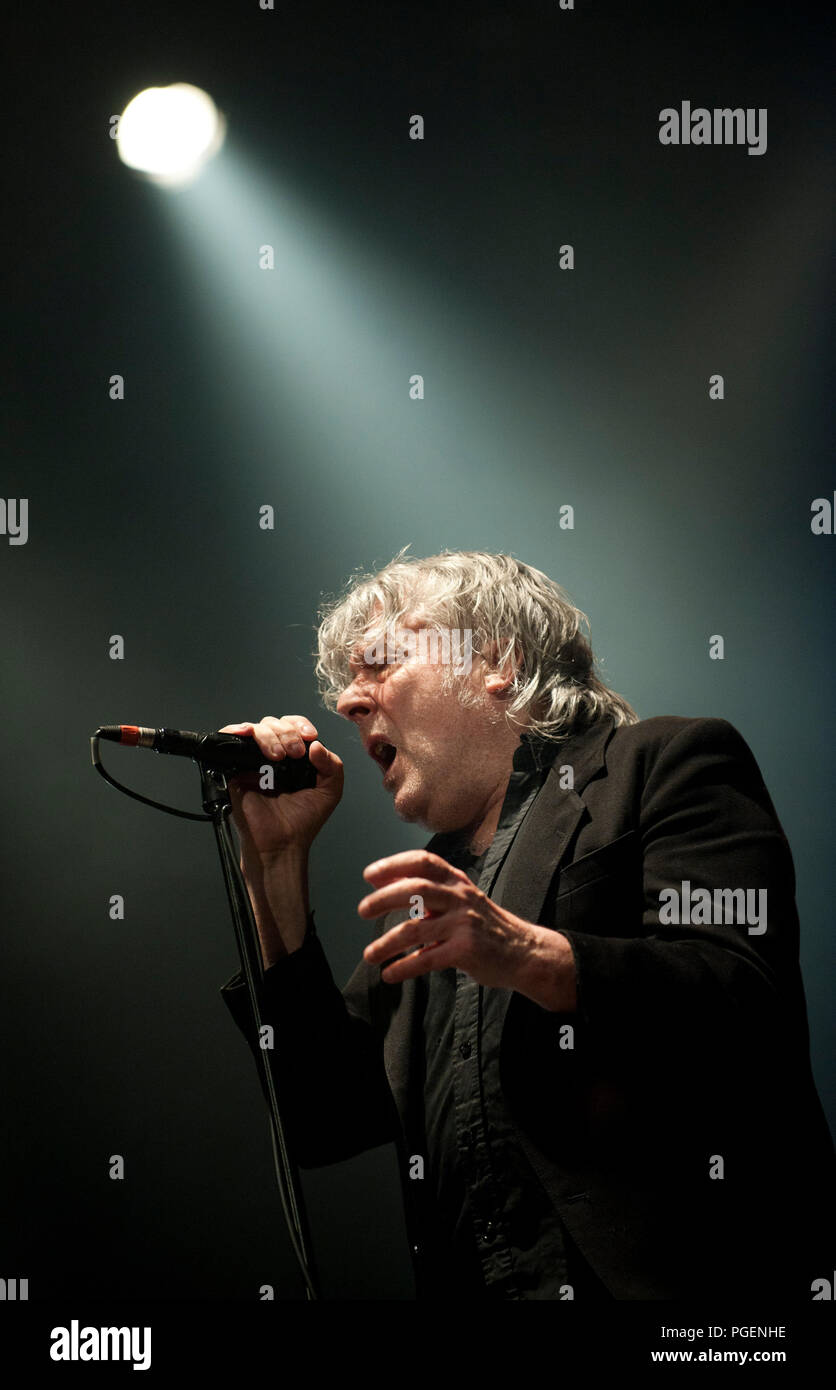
(244, 387)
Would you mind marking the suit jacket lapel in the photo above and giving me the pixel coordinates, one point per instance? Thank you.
(547, 830)
(544, 836)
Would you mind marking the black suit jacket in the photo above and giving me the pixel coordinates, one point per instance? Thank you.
(679, 1136)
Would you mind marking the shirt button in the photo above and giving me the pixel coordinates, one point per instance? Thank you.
(465, 1049)
(488, 1232)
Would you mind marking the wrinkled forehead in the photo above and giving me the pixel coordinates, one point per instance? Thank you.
(385, 625)
(400, 609)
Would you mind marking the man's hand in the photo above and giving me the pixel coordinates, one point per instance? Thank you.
(270, 825)
(466, 929)
(276, 831)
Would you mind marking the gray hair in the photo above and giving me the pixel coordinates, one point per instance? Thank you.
(516, 615)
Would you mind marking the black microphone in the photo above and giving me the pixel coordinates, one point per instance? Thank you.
(228, 753)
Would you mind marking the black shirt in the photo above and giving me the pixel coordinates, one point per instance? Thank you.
(488, 1228)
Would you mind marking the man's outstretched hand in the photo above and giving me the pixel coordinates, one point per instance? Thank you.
(466, 929)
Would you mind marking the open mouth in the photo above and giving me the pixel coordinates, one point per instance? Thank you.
(383, 753)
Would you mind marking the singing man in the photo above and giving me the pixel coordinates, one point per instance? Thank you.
(580, 1015)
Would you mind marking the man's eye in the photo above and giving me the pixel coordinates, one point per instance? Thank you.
(379, 664)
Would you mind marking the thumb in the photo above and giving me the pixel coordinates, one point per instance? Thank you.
(327, 764)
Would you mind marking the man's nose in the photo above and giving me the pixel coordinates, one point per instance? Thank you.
(356, 700)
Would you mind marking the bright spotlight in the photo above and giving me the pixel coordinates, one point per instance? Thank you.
(170, 132)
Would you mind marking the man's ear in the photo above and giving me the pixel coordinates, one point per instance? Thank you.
(496, 682)
(499, 679)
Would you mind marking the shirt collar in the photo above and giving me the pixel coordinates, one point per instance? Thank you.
(535, 753)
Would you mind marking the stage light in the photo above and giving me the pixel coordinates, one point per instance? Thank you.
(168, 133)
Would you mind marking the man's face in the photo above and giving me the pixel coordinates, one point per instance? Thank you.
(443, 762)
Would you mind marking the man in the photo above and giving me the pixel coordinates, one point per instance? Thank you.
(582, 1020)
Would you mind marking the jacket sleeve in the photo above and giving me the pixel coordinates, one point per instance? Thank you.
(687, 989)
(685, 1123)
(326, 1058)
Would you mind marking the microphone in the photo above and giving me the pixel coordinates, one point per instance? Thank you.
(228, 753)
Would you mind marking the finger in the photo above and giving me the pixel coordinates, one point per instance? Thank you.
(406, 936)
(265, 741)
(291, 724)
(433, 956)
(411, 861)
(269, 742)
(435, 896)
(325, 763)
(291, 731)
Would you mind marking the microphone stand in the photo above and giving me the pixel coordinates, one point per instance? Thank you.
(218, 807)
